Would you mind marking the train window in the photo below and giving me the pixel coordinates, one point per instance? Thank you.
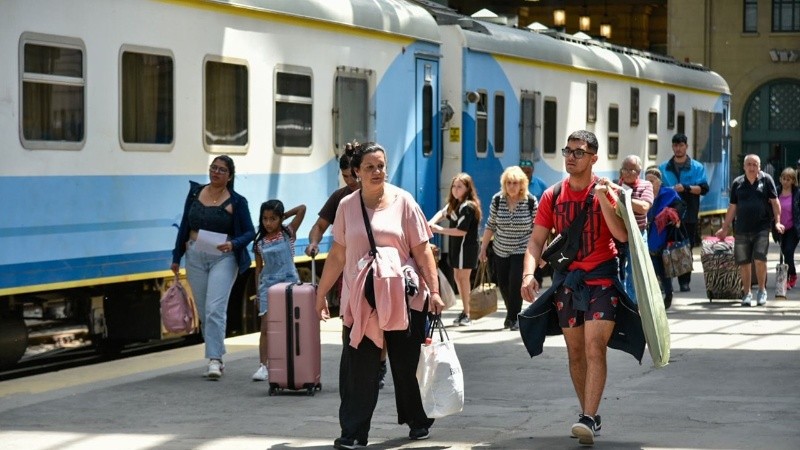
(634, 106)
(481, 119)
(670, 111)
(591, 101)
(147, 100)
(613, 131)
(226, 108)
(499, 123)
(427, 119)
(652, 135)
(53, 94)
(351, 106)
(550, 126)
(293, 110)
(527, 115)
(681, 124)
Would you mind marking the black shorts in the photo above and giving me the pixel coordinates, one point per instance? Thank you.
(749, 247)
(603, 303)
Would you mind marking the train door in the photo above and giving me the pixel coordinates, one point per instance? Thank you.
(428, 142)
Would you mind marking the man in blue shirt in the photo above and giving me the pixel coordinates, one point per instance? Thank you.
(536, 186)
(688, 178)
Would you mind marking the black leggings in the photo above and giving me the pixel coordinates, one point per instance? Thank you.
(789, 242)
(509, 280)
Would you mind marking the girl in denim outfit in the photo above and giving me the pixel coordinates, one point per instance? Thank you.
(274, 250)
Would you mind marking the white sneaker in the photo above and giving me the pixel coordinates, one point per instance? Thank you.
(214, 370)
(748, 300)
(261, 374)
(762, 297)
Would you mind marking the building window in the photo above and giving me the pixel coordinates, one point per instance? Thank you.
(613, 131)
(482, 118)
(550, 126)
(53, 93)
(786, 15)
(293, 107)
(226, 121)
(750, 24)
(351, 107)
(591, 101)
(147, 100)
(499, 123)
(634, 106)
(652, 135)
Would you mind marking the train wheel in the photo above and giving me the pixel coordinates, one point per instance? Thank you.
(13, 340)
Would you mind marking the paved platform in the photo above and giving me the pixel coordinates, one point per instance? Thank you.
(733, 382)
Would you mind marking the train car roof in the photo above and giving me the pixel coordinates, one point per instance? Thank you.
(562, 49)
(394, 17)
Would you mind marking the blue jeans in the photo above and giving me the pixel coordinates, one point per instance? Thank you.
(211, 278)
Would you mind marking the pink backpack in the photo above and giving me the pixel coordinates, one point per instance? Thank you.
(177, 310)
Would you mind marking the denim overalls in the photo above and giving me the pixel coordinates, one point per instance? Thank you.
(278, 268)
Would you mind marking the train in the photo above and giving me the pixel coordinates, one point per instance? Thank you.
(109, 109)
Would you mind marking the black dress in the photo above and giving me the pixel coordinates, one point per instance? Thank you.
(463, 250)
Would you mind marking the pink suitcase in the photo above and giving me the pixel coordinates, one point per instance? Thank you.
(293, 339)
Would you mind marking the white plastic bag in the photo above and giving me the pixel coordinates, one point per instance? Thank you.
(445, 291)
(441, 382)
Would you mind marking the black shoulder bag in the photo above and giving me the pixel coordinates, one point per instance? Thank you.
(564, 248)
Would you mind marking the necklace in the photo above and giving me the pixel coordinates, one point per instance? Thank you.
(219, 194)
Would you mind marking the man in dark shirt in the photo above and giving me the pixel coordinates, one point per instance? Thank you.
(328, 212)
(755, 206)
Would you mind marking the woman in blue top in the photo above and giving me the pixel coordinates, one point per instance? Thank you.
(274, 250)
(217, 208)
(663, 217)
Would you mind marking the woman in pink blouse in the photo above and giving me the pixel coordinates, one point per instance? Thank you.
(398, 222)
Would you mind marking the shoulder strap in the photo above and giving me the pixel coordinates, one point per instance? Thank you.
(556, 193)
(496, 202)
(373, 250)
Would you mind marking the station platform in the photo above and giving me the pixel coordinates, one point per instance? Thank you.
(732, 383)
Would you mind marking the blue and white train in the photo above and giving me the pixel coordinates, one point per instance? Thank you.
(108, 109)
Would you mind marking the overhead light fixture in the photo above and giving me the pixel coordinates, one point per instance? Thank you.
(605, 25)
(559, 17)
(605, 30)
(584, 21)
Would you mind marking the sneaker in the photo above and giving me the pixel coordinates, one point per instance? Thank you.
(791, 281)
(747, 300)
(685, 287)
(507, 323)
(215, 369)
(348, 443)
(465, 321)
(762, 297)
(418, 434)
(261, 374)
(382, 375)
(514, 326)
(585, 429)
(597, 425)
(460, 318)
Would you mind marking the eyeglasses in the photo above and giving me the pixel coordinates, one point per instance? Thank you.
(218, 169)
(577, 153)
(623, 170)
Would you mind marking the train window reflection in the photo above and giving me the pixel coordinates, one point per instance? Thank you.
(53, 92)
(652, 134)
(481, 119)
(226, 108)
(613, 131)
(550, 126)
(147, 87)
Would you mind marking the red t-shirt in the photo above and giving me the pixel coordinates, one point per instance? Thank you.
(597, 243)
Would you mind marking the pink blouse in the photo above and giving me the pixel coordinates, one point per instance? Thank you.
(402, 225)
